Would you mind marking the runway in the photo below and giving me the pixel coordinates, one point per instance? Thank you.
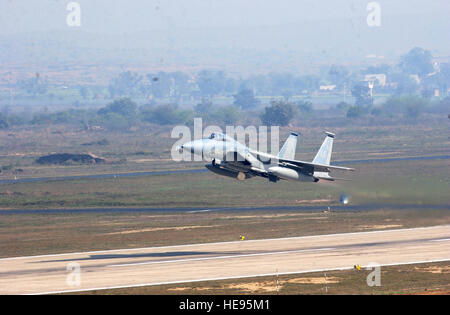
(214, 261)
(298, 208)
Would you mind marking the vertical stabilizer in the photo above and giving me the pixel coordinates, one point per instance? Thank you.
(324, 154)
(288, 150)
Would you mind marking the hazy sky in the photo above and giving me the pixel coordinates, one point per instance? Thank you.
(112, 16)
(192, 32)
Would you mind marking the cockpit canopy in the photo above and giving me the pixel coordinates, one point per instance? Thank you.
(217, 136)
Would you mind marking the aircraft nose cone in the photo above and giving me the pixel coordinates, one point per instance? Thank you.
(193, 147)
(188, 147)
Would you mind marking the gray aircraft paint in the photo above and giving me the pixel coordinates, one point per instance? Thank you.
(288, 149)
(233, 159)
(324, 154)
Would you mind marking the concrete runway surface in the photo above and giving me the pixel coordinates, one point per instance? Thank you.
(198, 262)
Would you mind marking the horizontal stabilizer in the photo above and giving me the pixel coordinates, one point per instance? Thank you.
(329, 178)
(316, 167)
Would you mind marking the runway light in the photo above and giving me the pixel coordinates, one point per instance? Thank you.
(344, 199)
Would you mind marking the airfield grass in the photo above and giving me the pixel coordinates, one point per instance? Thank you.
(39, 234)
(401, 182)
(406, 183)
(423, 279)
(147, 147)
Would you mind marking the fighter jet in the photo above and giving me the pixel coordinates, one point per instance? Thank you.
(233, 159)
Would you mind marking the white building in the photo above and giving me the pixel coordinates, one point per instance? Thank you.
(327, 87)
(379, 77)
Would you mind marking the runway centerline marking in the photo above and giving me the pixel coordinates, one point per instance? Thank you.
(224, 257)
(199, 211)
(441, 240)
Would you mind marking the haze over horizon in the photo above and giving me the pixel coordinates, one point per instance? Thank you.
(249, 34)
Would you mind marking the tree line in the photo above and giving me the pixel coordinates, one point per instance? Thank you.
(415, 76)
(123, 113)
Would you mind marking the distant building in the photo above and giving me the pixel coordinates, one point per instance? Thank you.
(373, 56)
(327, 87)
(379, 77)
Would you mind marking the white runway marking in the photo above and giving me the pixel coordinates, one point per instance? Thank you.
(199, 211)
(240, 277)
(441, 240)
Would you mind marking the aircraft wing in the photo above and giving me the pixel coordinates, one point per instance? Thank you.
(313, 167)
(236, 161)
